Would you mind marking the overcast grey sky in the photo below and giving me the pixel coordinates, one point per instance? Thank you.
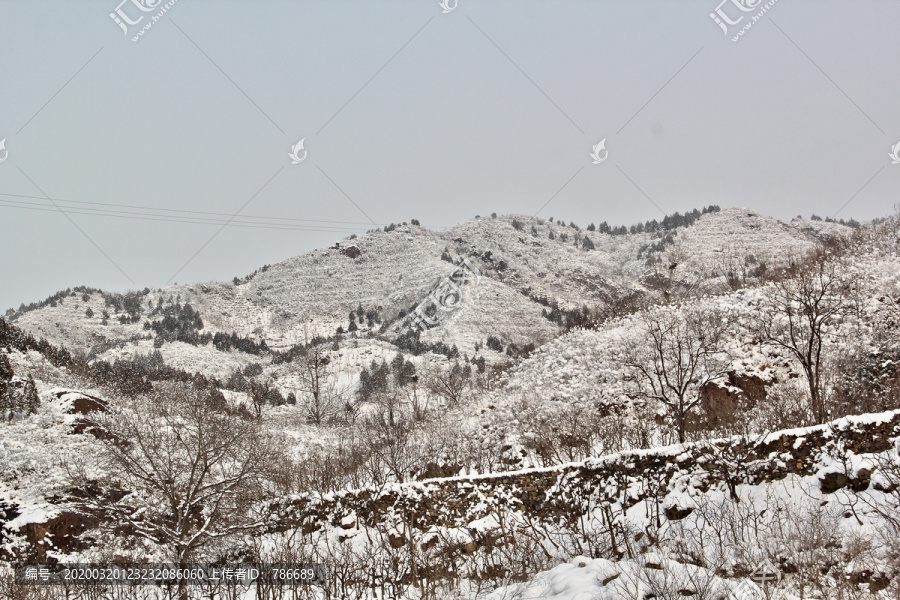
(408, 111)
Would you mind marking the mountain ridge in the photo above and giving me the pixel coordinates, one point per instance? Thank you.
(525, 272)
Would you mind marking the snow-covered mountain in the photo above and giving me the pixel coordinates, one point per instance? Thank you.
(390, 272)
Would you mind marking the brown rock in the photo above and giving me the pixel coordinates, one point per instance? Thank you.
(674, 513)
(59, 532)
(832, 482)
(396, 540)
(85, 403)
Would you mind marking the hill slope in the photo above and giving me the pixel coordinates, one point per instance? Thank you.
(525, 272)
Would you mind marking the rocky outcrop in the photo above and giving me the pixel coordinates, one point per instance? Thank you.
(350, 251)
(722, 405)
(58, 533)
(79, 403)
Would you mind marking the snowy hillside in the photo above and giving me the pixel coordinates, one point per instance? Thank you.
(312, 293)
(726, 403)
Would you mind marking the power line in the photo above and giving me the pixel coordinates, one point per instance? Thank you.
(191, 217)
(173, 219)
(182, 211)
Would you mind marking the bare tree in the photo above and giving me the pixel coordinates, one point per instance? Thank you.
(675, 580)
(417, 401)
(679, 353)
(388, 437)
(451, 383)
(176, 471)
(259, 393)
(322, 397)
(798, 315)
(882, 504)
(556, 431)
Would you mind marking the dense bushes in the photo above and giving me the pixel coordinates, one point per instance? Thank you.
(410, 341)
(179, 323)
(127, 377)
(669, 223)
(225, 342)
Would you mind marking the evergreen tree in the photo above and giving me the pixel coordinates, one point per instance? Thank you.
(30, 399)
(6, 373)
(404, 371)
(373, 380)
(6, 370)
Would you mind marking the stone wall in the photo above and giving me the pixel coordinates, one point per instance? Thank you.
(558, 495)
(562, 494)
